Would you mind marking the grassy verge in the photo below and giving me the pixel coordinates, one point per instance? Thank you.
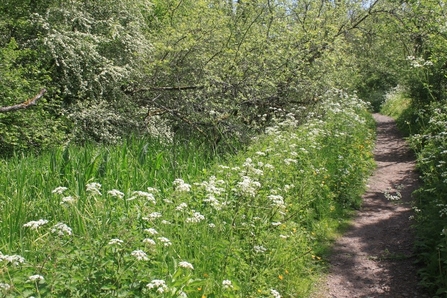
(137, 221)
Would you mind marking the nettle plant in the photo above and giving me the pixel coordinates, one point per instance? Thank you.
(255, 226)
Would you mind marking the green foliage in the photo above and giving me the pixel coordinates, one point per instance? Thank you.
(143, 219)
(21, 78)
(430, 145)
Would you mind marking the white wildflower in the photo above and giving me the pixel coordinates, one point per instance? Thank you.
(140, 255)
(35, 278)
(5, 287)
(68, 200)
(275, 293)
(196, 217)
(148, 196)
(248, 186)
(288, 161)
(153, 215)
(152, 189)
(116, 193)
(158, 284)
(181, 186)
(61, 229)
(12, 259)
(187, 265)
(259, 249)
(275, 224)
(165, 241)
(151, 231)
(166, 222)
(59, 190)
(94, 188)
(181, 207)
(226, 284)
(35, 224)
(149, 241)
(116, 241)
(211, 225)
(277, 200)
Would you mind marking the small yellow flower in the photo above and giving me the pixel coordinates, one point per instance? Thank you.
(280, 277)
(286, 271)
(199, 289)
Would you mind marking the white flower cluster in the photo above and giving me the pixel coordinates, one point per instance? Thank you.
(36, 278)
(35, 224)
(59, 190)
(94, 188)
(275, 293)
(61, 229)
(227, 284)
(140, 255)
(116, 241)
(196, 217)
(116, 193)
(186, 265)
(248, 186)
(147, 195)
(181, 186)
(158, 284)
(12, 259)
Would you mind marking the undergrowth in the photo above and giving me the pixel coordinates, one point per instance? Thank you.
(148, 220)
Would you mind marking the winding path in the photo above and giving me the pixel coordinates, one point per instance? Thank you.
(374, 257)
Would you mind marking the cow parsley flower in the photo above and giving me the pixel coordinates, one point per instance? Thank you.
(59, 190)
(158, 284)
(181, 207)
(36, 278)
(5, 287)
(248, 186)
(151, 231)
(94, 188)
(165, 241)
(181, 186)
(259, 249)
(187, 265)
(61, 229)
(149, 241)
(68, 200)
(275, 293)
(140, 255)
(277, 200)
(148, 196)
(226, 284)
(196, 217)
(35, 224)
(116, 241)
(153, 215)
(116, 193)
(12, 259)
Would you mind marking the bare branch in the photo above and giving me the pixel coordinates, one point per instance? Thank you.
(24, 105)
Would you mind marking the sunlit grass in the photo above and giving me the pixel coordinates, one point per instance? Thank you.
(135, 221)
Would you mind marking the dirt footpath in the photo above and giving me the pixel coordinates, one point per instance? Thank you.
(374, 258)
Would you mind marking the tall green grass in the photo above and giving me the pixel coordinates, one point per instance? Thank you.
(145, 220)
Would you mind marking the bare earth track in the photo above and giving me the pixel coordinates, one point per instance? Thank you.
(374, 258)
